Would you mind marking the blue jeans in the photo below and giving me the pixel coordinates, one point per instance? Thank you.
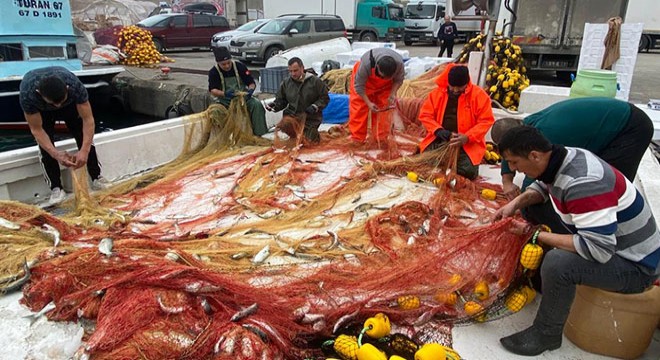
(562, 270)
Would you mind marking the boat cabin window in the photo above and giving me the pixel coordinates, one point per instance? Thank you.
(71, 51)
(36, 52)
(11, 52)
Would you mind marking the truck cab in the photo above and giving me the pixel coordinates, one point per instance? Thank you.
(378, 20)
(423, 20)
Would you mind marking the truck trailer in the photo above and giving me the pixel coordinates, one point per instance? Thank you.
(365, 20)
(551, 38)
(648, 13)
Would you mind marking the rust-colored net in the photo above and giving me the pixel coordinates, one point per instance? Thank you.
(243, 250)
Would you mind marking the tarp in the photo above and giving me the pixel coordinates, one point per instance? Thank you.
(337, 110)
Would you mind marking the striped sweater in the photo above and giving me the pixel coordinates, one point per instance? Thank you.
(603, 210)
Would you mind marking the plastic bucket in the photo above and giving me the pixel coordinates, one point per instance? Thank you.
(594, 83)
(613, 324)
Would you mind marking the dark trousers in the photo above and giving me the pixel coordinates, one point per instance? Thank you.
(563, 270)
(51, 167)
(446, 44)
(625, 152)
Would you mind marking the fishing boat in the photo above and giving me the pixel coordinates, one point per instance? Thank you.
(37, 34)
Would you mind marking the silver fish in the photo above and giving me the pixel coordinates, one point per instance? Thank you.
(270, 213)
(411, 240)
(34, 317)
(105, 246)
(425, 228)
(245, 312)
(284, 246)
(47, 229)
(239, 255)
(257, 331)
(18, 284)
(205, 305)
(8, 224)
(344, 320)
(169, 309)
(312, 318)
(335, 240)
(172, 256)
(216, 347)
(261, 255)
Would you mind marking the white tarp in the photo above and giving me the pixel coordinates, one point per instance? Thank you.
(105, 13)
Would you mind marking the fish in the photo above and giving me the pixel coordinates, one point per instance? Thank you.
(335, 240)
(169, 309)
(47, 229)
(205, 305)
(256, 330)
(314, 161)
(217, 175)
(257, 231)
(98, 222)
(411, 240)
(239, 255)
(357, 198)
(342, 321)
(395, 193)
(364, 207)
(270, 330)
(172, 256)
(261, 255)
(270, 213)
(9, 224)
(35, 316)
(105, 246)
(285, 246)
(425, 228)
(18, 284)
(243, 313)
(216, 347)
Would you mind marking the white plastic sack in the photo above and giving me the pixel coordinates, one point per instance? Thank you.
(106, 55)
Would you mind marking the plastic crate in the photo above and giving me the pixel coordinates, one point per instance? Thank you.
(271, 78)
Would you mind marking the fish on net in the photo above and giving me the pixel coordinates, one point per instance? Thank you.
(310, 234)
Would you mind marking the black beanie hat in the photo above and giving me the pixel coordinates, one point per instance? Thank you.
(459, 76)
(221, 54)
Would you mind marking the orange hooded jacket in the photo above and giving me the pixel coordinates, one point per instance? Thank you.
(474, 116)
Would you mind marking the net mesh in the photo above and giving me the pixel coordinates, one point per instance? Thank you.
(239, 249)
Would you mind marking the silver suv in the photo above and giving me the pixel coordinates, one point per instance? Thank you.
(285, 32)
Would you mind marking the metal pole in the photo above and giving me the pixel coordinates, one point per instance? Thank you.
(492, 24)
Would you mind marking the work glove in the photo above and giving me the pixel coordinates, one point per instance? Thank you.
(442, 134)
(249, 93)
(229, 94)
(312, 109)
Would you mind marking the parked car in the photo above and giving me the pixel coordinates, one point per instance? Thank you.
(176, 30)
(286, 32)
(224, 38)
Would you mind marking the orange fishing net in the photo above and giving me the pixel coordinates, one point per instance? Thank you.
(236, 251)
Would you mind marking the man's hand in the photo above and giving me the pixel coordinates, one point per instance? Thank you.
(505, 211)
(443, 135)
(458, 139)
(65, 159)
(269, 106)
(312, 109)
(249, 93)
(391, 101)
(80, 159)
(229, 94)
(373, 107)
(511, 190)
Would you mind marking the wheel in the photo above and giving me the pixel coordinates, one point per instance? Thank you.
(644, 43)
(159, 45)
(564, 76)
(271, 51)
(368, 37)
(407, 42)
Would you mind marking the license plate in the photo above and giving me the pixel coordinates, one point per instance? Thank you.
(234, 50)
(414, 38)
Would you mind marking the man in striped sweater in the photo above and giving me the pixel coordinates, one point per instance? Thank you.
(614, 243)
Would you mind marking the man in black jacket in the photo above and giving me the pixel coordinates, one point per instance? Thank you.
(301, 96)
(446, 35)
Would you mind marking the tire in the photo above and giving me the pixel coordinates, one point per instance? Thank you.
(564, 76)
(159, 45)
(368, 37)
(407, 42)
(644, 43)
(271, 51)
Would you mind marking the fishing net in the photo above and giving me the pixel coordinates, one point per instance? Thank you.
(244, 249)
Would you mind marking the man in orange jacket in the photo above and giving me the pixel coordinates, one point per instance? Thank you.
(374, 83)
(459, 113)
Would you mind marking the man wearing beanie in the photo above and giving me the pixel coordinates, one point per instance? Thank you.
(458, 113)
(374, 82)
(227, 78)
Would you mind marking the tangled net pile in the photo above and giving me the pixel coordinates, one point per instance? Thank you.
(245, 249)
